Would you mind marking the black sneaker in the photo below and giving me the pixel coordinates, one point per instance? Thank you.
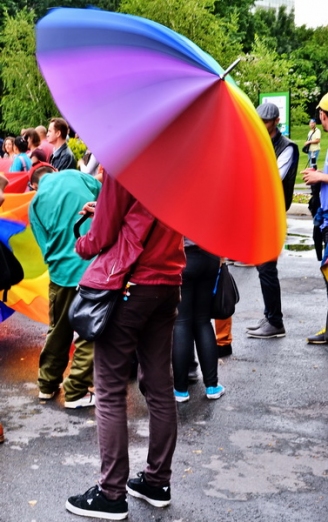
(93, 503)
(156, 496)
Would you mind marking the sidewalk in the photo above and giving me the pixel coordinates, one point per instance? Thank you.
(260, 453)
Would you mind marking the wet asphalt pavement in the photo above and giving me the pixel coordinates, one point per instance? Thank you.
(260, 453)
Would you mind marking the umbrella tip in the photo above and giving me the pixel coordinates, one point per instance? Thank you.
(232, 66)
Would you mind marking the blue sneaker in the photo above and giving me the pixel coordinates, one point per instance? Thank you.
(181, 396)
(215, 393)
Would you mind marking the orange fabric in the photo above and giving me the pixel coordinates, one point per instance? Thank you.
(223, 331)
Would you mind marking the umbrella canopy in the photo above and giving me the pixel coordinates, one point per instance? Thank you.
(154, 110)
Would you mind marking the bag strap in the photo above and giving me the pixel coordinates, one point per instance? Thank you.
(23, 163)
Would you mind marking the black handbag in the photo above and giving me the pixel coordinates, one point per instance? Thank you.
(225, 294)
(306, 148)
(91, 308)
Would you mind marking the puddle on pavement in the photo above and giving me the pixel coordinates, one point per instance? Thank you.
(299, 243)
(299, 239)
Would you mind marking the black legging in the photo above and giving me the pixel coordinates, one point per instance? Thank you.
(193, 323)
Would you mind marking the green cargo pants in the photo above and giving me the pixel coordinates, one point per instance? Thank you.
(54, 356)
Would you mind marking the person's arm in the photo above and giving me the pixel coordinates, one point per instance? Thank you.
(90, 167)
(315, 138)
(284, 161)
(117, 212)
(311, 176)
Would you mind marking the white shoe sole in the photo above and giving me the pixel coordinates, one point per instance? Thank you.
(46, 396)
(254, 336)
(155, 503)
(215, 395)
(182, 399)
(95, 514)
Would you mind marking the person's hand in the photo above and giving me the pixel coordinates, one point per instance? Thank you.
(311, 176)
(88, 207)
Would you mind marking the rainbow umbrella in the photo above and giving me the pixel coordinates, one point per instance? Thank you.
(162, 118)
(30, 296)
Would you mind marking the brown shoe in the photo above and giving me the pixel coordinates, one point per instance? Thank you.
(2, 437)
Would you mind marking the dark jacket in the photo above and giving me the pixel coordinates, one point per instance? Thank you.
(63, 158)
(118, 231)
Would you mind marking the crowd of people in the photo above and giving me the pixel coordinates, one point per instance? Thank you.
(164, 314)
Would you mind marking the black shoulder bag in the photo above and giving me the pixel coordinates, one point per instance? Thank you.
(225, 294)
(91, 308)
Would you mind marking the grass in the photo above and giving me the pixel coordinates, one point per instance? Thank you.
(298, 135)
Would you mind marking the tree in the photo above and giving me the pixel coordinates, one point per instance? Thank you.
(264, 70)
(26, 100)
(194, 19)
(276, 28)
(242, 9)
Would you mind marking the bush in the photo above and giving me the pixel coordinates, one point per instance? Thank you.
(78, 147)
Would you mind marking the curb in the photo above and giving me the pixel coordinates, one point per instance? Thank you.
(299, 209)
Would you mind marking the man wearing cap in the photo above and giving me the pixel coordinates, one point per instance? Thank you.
(287, 155)
(311, 177)
(313, 140)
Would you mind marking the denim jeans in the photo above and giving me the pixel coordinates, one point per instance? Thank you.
(193, 323)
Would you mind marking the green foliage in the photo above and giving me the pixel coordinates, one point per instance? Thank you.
(276, 28)
(241, 9)
(26, 101)
(78, 147)
(264, 70)
(196, 20)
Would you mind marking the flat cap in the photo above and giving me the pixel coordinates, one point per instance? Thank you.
(268, 111)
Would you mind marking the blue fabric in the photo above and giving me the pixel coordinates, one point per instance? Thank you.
(103, 28)
(19, 161)
(324, 195)
(5, 312)
(9, 228)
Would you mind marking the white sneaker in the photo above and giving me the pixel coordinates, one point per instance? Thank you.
(88, 400)
(46, 396)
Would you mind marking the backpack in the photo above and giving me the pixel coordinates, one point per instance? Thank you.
(11, 271)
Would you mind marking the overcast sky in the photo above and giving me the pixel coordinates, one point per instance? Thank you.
(312, 13)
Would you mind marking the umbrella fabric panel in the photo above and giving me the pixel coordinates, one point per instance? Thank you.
(92, 28)
(128, 114)
(153, 109)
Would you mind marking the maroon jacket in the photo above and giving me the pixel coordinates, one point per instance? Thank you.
(119, 228)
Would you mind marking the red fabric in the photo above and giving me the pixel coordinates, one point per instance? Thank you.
(5, 164)
(48, 149)
(119, 228)
(17, 182)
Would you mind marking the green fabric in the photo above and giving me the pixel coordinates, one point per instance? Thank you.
(53, 212)
(55, 353)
